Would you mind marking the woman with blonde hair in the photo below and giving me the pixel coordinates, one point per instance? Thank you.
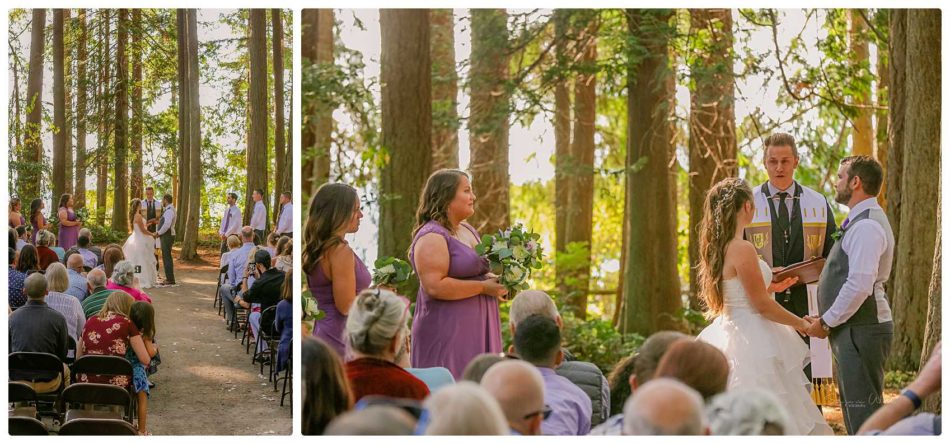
(57, 282)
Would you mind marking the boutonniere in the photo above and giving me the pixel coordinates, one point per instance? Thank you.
(837, 235)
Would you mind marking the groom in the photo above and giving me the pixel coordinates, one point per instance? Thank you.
(166, 235)
(854, 309)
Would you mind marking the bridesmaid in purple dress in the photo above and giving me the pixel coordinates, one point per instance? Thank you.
(456, 315)
(37, 220)
(16, 219)
(68, 224)
(335, 275)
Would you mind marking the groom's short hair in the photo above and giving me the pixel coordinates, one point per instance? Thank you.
(868, 169)
(781, 139)
(233, 195)
(167, 198)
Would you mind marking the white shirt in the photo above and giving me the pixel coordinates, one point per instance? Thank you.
(234, 224)
(157, 204)
(169, 222)
(865, 243)
(259, 217)
(789, 201)
(286, 222)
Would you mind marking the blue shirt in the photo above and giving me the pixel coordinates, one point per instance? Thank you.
(89, 259)
(434, 377)
(77, 285)
(570, 406)
(237, 262)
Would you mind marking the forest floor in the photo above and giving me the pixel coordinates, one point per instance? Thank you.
(836, 421)
(206, 384)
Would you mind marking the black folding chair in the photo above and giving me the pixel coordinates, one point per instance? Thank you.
(79, 401)
(26, 426)
(288, 377)
(36, 368)
(70, 347)
(217, 295)
(266, 334)
(19, 393)
(103, 365)
(97, 427)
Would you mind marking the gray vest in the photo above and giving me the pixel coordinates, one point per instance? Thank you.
(835, 273)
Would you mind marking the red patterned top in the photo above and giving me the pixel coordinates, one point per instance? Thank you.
(109, 336)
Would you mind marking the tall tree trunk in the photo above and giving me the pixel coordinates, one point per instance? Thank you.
(286, 182)
(184, 121)
(30, 179)
(880, 115)
(193, 182)
(59, 111)
(79, 189)
(120, 204)
(280, 153)
(580, 218)
(105, 132)
(932, 328)
(919, 217)
(712, 121)
(445, 120)
(407, 123)
(257, 109)
(896, 108)
(488, 119)
(138, 186)
(563, 162)
(651, 283)
(317, 48)
(863, 133)
(68, 76)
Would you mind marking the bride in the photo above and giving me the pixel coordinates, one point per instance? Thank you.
(757, 335)
(139, 249)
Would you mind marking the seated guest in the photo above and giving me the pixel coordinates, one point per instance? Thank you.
(237, 268)
(15, 282)
(78, 286)
(11, 242)
(696, 364)
(270, 244)
(664, 406)
(464, 409)
(23, 237)
(751, 411)
(57, 281)
(284, 261)
(84, 244)
(480, 364)
(28, 261)
(375, 331)
(519, 390)
(643, 370)
(98, 293)
(585, 375)
(326, 391)
(37, 328)
(111, 256)
(264, 292)
(284, 322)
(123, 276)
(234, 242)
(375, 420)
(60, 251)
(894, 418)
(538, 342)
(434, 377)
(46, 255)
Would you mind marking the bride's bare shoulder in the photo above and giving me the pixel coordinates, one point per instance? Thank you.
(740, 249)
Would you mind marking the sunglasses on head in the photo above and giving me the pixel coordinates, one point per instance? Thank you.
(545, 413)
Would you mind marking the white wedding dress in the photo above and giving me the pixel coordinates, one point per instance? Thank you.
(766, 355)
(139, 249)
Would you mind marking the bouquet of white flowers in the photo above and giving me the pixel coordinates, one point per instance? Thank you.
(512, 254)
(391, 272)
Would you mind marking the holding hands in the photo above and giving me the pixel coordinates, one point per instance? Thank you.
(814, 327)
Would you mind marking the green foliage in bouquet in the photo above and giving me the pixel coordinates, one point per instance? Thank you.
(311, 313)
(512, 255)
(391, 271)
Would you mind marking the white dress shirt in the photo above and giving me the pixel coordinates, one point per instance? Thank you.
(169, 222)
(865, 243)
(232, 226)
(157, 204)
(259, 217)
(286, 222)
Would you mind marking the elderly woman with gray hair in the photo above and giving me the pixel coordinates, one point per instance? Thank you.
(376, 330)
(123, 278)
(46, 254)
(750, 411)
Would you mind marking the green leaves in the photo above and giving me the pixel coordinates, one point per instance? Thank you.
(391, 271)
(512, 255)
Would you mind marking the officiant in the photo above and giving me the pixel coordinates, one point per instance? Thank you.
(792, 222)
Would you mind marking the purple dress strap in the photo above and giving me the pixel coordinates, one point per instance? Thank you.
(449, 333)
(330, 328)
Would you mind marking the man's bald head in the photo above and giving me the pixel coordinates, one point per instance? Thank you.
(519, 390)
(96, 278)
(75, 262)
(664, 406)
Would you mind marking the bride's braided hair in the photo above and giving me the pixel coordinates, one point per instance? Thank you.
(376, 317)
(718, 227)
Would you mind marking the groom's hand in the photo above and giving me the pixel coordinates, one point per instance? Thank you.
(815, 329)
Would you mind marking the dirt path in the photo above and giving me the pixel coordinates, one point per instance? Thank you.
(206, 384)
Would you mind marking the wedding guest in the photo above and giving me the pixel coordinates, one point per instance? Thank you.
(11, 242)
(894, 418)
(230, 221)
(259, 216)
(433, 377)
(464, 409)
(265, 292)
(749, 411)
(284, 322)
(37, 219)
(476, 368)
(57, 281)
(538, 342)
(664, 406)
(46, 254)
(28, 261)
(15, 218)
(456, 316)
(98, 293)
(519, 389)
(696, 364)
(376, 330)
(381, 420)
(142, 315)
(38, 328)
(15, 282)
(122, 279)
(90, 248)
(111, 256)
(69, 224)
(326, 390)
(234, 242)
(89, 259)
(78, 286)
(60, 252)
(335, 274)
(285, 254)
(22, 237)
(285, 218)
(271, 243)
(237, 266)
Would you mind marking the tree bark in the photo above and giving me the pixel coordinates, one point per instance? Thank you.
(184, 121)
(881, 115)
(69, 44)
(120, 212)
(488, 119)
(280, 152)
(407, 124)
(651, 283)
(562, 133)
(863, 133)
(932, 330)
(138, 185)
(918, 218)
(317, 130)
(59, 111)
(445, 120)
(102, 155)
(712, 121)
(79, 189)
(257, 109)
(30, 179)
(192, 183)
(896, 108)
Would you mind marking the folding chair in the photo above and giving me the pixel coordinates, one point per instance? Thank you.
(18, 392)
(70, 347)
(217, 296)
(89, 395)
(97, 427)
(102, 365)
(36, 368)
(265, 333)
(287, 378)
(25, 426)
